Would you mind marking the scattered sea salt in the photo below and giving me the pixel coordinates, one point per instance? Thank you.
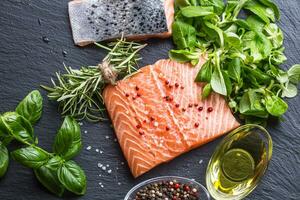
(122, 163)
(101, 152)
(85, 132)
(200, 162)
(100, 165)
(127, 112)
(107, 137)
(80, 123)
(89, 148)
(102, 186)
(156, 124)
(119, 183)
(107, 165)
(109, 171)
(103, 168)
(97, 150)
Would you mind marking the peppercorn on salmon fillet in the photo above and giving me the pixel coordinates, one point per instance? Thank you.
(98, 20)
(158, 114)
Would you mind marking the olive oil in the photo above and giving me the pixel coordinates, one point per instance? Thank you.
(239, 162)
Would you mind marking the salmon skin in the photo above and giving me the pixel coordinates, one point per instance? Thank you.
(158, 114)
(99, 20)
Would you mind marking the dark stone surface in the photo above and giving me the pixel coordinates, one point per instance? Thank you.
(26, 61)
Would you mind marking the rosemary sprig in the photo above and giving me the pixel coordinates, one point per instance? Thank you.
(78, 92)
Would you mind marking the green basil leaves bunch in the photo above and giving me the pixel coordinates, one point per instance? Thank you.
(243, 54)
(56, 171)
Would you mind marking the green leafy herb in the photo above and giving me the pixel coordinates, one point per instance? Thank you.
(72, 177)
(68, 140)
(4, 159)
(78, 92)
(32, 157)
(49, 179)
(243, 54)
(18, 126)
(49, 168)
(31, 107)
(184, 34)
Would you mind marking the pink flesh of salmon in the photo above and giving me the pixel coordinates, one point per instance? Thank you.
(152, 130)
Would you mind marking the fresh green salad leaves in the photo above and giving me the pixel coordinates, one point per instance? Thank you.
(54, 170)
(243, 54)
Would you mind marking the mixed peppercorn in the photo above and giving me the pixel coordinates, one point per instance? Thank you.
(167, 190)
(169, 99)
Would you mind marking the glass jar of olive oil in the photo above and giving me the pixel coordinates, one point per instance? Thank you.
(239, 162)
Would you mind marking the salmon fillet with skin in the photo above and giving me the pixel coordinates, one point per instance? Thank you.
(158, 114)
(99, 20)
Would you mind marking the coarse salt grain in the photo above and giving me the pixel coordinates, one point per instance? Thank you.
(156, 124)
(201, 161)
(107, 137)
(103, 168)
(100, 165)
(107, 165)
(85, 131)
(119, 183)
(109, 171)
(89, 148)
(97, 150)
(101, 152)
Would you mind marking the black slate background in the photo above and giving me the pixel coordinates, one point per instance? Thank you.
(26, 62)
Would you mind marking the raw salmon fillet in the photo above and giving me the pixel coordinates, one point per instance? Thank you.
(99, 20)
(158, 114)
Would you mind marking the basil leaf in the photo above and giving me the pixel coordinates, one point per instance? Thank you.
(276, 106)
(31, 107)
(72, 177)
(197, 11)
(68, 139)
(294, 74)
(272, 5)
(234, 69)
(290, 91)
(206, 91)
(30, 157)
(18, 126)
(49, 179)
(250, 104)
(54, 163)
(4, 159)
(217, 82)
(205, 73)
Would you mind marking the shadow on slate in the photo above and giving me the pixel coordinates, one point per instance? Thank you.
(26, 61)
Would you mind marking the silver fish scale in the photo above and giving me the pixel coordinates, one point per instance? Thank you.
(98, 20)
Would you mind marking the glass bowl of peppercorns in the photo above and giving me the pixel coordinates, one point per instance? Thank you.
(168, 188)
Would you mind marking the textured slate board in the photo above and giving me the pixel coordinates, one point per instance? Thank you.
(26, 62)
